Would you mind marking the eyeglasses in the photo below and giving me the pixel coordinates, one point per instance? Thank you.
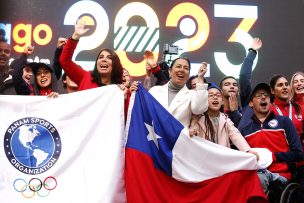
(212, 96)
(259, 95)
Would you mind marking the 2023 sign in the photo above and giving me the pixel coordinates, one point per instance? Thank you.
(191, 20)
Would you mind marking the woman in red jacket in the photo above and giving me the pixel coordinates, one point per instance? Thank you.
(297, 89)
(107, 70)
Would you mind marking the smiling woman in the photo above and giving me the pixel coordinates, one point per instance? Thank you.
(282, 105)
(177, 98)
(107, 70)
(45, 81)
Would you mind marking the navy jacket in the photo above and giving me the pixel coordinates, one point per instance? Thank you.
(245, 88)
(278, 134)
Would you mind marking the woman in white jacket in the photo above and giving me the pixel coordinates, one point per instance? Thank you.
(177, 98)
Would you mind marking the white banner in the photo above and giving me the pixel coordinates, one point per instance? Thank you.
(68, 149)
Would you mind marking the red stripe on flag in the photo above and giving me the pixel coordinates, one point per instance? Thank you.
(144, 183)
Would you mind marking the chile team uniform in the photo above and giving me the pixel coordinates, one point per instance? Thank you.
(278, 134)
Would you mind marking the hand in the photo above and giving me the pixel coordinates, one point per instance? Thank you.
(124, 89)
(233, 102)
(148, 70)
(256, 44)
(134, 86)
(53, 95)
(193, 132)
(150, 59)
(80, 29)
(202, 71)
(61, 42)
(254, 153)
(28, 50)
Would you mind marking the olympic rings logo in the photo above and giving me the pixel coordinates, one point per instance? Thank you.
(35, 186)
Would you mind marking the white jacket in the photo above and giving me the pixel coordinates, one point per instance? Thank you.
(185, 103)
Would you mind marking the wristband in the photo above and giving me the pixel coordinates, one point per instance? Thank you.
(251, 49)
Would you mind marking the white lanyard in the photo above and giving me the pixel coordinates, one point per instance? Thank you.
(280, 112)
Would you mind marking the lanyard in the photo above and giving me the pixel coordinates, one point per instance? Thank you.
(280, 112)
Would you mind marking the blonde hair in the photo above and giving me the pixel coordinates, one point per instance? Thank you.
(292, 92)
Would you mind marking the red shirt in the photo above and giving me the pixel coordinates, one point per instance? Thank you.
(45, 92)
(283, 109)
(299, 99)
(81, 77)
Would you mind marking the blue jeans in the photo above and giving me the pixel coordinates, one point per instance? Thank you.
(266, 177)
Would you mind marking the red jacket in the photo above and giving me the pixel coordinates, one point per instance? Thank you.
(281, 108)
(81, 77)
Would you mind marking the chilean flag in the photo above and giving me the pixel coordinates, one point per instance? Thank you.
(164, 164)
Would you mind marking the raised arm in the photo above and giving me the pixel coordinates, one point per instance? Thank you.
(56, 64)
(22, 87)
(199, 98)
(74, 71)
(246, 72)
(155, 68)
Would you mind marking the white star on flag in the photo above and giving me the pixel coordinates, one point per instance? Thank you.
(152, 135)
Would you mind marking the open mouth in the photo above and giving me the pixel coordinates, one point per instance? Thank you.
(263, 104)
(104, 66)
(215, 103)
(180, 76)
(43, 81)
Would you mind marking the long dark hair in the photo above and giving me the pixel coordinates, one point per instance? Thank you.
(273, 82)
(210, 132)
(117, 69)
(53, 86)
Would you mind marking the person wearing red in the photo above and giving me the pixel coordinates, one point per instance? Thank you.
(297, 96)
(274, 132)
(108, 69)
(297, 89)
(282, 106)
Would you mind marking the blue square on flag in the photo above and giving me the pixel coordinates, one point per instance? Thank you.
(150, 132)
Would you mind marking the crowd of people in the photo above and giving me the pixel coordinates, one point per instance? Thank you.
(267, 116)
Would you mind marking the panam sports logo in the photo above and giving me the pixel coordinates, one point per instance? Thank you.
(32, 145)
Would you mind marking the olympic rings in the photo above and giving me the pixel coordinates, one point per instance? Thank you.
(45, 180)
(23, 188)
(35, 185)
(39, 186)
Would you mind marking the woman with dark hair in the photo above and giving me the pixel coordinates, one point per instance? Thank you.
(45, 81)
(107, 70)
(33, 78)
(282, 106)
(177, 98)
(215, 126)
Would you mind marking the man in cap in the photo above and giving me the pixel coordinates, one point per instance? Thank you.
(276, 133)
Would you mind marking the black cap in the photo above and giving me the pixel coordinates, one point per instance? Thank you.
(35, 66)
(260, 86)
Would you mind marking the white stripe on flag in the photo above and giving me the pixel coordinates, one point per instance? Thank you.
(196, 159)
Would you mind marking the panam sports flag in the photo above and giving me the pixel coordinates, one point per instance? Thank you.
(164, 164)
(68, 149)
